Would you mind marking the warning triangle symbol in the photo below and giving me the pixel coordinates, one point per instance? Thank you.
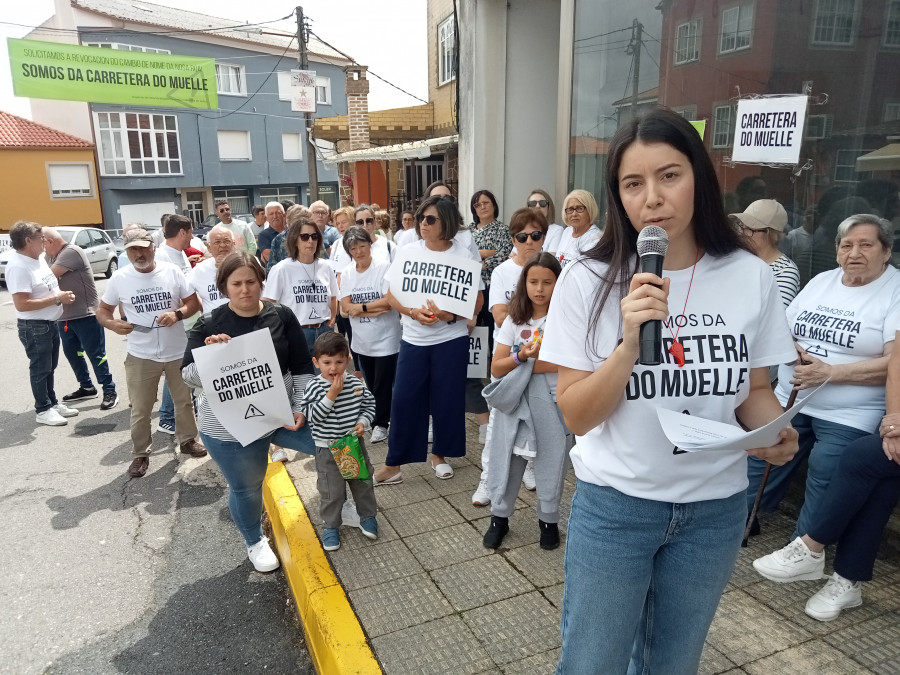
(253, 411)
(313, 314)
(365, 319)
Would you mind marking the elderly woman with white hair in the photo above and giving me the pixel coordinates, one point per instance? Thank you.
(843, 323)
(580, 212)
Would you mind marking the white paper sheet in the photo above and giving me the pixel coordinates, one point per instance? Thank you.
(691, 433)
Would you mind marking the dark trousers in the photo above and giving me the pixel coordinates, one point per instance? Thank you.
(41, 342)
(430, 381)
(85, 337)
(856, 507)
(379, 372)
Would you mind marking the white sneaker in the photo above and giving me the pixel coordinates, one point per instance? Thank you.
(379, 434)
(481, 497)
(837, 594)
(279, 455)
(482, 433)
(794, 562)
(51, 418)
(262, 556)
(528, 476)
(65, 411)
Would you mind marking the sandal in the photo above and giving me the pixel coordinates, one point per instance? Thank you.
(443, 470)
(396, 479)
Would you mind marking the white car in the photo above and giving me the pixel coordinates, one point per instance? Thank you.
(100, 250)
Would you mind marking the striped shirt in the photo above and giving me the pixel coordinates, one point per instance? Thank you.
(330, 420)
(787, 278)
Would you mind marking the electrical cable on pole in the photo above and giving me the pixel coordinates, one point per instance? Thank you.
(311, 163)
(634, 50)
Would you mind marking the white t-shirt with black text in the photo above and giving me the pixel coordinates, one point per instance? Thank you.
(503, 284)
(306, 288)
(570, 247)
(514, 335)
(202, 280)
(372, 335)
(174, 256)
(25, 274)
(733, 322)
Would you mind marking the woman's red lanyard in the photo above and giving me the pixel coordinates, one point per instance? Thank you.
(677, 350)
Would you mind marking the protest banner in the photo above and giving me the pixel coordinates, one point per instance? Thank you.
(74, 73)
(450, 281)
(303, 91)
(769, 130)
(478, 353)
(243, 385)
(5, 243)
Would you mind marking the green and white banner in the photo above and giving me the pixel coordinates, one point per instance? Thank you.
(73, 73)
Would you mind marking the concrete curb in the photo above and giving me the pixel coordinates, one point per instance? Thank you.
(334, 637)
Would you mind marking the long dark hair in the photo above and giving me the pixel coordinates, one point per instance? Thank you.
(520, 307)
(618, 245)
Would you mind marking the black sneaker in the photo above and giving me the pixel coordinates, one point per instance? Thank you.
(498, 529)
(110, 400)
(549, 535)
(80, 395)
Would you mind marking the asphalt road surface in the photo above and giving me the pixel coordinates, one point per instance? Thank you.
(100, 573)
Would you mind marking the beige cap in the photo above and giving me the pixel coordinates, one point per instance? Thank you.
(764, 214)
(139, 238)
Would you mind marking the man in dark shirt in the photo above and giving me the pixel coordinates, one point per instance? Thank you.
(275, 218)
(79, 332)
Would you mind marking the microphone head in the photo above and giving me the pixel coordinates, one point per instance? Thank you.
(652, 240)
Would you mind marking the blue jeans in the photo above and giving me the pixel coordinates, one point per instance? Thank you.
(41, 342)
(167, 407)
(823, 442)
(311, 335)
(643, 580)
(244, 467)
(85, 336)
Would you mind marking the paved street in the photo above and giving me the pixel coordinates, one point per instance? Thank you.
(104, 574)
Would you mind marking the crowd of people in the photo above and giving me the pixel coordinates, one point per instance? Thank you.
(563, 304)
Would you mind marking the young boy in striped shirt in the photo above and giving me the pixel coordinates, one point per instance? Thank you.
(337, 404)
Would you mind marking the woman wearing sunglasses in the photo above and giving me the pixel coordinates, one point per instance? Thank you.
(304, 282)
(539, 200)
(431, 367)
(581, 212)
(382, 249)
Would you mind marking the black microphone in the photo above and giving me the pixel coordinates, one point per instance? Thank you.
(652, 243)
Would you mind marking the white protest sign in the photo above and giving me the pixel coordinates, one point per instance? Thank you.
(769, 130)
(418, 275)
(5, 243)
(478, 353)
(303, 91)
(243, 384)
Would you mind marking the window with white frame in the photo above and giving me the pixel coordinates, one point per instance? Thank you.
(723, 116)
(238, 199)
(134, 144)
(687, 42)
(818, 127)
(230, 79)
(737, 28)
(689, 112)
(70, 180)
(127, 48)
(892, 24)
(278, 194)
(845, 166)
(446, 50)
(834, 22)
(323, 90)
(891, 112)
(234, 144)
(292, 147)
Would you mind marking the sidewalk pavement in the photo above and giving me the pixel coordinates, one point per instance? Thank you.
(431, 599)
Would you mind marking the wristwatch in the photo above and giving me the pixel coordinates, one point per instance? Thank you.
(365, 309)
(454, 319)
(58, 300)
(178, 315)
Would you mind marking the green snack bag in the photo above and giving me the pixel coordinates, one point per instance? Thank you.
(348, 455)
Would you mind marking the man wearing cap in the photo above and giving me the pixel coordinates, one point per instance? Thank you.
(38, 303)
(156, 298)
(763, 223)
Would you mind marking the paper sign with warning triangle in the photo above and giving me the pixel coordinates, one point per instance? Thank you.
(253, 411)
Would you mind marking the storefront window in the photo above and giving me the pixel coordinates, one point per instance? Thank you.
(702, 58)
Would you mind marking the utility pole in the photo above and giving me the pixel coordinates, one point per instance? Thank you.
(637, 39)
(302, 38)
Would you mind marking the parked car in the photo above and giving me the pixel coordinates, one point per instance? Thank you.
(100, 250)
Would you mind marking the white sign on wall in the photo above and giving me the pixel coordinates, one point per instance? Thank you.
(769, 130)
(303, 91)
(419, 275)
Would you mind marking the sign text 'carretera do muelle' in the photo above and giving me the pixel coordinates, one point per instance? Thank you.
(73, 73)
(769, 130)
(451, 282)
(243, 385)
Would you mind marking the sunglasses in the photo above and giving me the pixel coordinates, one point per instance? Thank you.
(540, 202)
(306, 236)
(575, 209)
(431, 220)
(522, 237)
(367, 221)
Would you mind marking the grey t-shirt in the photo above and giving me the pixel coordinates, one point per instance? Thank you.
(79, 279)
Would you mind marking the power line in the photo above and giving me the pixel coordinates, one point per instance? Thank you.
(618, 30)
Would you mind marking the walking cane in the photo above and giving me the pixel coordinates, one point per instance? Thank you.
(765, 477)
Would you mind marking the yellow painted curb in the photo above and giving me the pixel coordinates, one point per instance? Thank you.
(334, 637)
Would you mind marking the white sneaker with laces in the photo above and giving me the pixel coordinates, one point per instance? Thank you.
(481, 497)
(794, 562)
(262, 556)
(837, 594)
(528, 476)
(51, 418)
(379, 434)
(279, 455)
(65, 411)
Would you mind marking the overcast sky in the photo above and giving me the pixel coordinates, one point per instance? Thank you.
(386, 35)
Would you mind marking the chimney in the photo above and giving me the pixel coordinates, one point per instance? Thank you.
(358, 106)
